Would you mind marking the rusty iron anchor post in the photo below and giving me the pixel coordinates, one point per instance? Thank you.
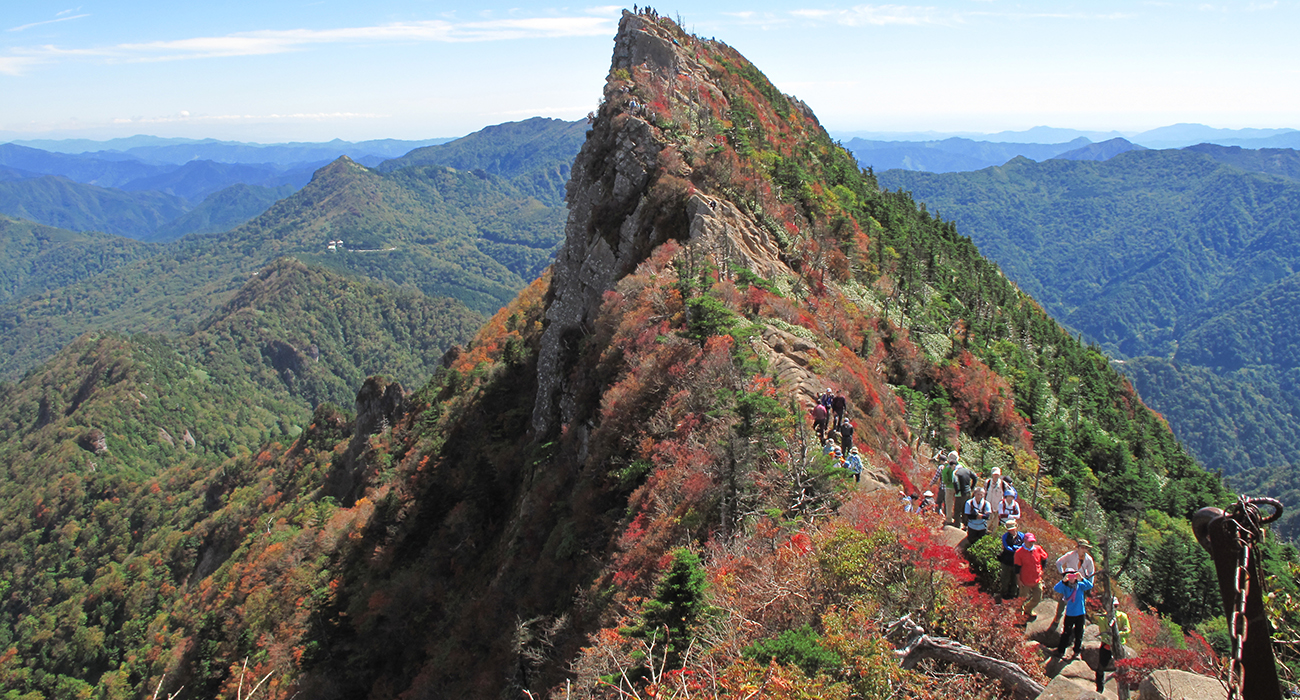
(1231, 538)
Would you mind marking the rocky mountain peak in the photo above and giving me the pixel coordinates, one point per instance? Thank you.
(633, 185)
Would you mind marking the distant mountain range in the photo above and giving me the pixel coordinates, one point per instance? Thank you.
(1182, 263)
(943, 153)
(152, 149)
(156, 189)
(447, 233)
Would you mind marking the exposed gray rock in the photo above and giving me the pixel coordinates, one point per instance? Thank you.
(94, 441)
(380, 405)
(1043, 628)
(617, 217)
(1167, 684)
(166, 437)
(1062, 688)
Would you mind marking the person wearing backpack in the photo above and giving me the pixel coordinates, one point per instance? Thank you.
(855, 465)
(1012, 539)
(977, 512)
(964, 480)
(1008, 509)
(949, 486)
(819, 420)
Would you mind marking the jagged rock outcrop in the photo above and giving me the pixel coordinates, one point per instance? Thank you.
(623, 202)
(94, 441)
(380, 404)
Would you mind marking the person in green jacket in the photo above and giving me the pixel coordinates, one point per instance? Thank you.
(1120, 625)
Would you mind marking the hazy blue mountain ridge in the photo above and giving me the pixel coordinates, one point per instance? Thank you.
(1181, 264)
(535, 154)
(60, 202)
(1101, 151)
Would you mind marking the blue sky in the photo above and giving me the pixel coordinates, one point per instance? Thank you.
(268, 70)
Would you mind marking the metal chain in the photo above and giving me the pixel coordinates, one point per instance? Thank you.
(1247, 518)
(1237, 625)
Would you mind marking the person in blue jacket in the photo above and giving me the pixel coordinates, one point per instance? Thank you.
(1074, 590)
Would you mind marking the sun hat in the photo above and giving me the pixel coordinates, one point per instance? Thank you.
(953, 456)
(1084, 543)
(1011, 524)
(928, 493)
(1029, 537)
(996, 470)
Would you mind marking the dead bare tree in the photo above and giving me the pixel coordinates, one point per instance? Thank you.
(918, 646)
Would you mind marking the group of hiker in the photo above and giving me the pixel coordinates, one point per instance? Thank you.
(979, 506)
(967, 504)
(835, 431)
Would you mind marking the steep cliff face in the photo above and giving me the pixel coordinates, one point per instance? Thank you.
(625, 199)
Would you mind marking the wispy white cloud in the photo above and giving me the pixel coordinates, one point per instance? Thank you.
(14, 65)
(880, 15)
(58, 18)
(264, 42)
(917, 15)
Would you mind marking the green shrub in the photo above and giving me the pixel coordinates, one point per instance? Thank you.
(801, 647)
(707, 317)
(983, 558)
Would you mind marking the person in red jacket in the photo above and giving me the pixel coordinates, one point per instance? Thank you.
(819, 417)
(1030, 558)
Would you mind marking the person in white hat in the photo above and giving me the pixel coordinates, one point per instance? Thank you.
(1012, 539)
(993, 489)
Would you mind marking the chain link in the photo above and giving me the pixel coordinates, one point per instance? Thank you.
(1237, 625)
(1246, 517)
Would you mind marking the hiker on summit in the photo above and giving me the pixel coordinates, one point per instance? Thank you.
(1074, 590)
(977, 513)
(964, 479)
(819, 420)
(838, 404)
(1030, 558)
(1012, 539)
